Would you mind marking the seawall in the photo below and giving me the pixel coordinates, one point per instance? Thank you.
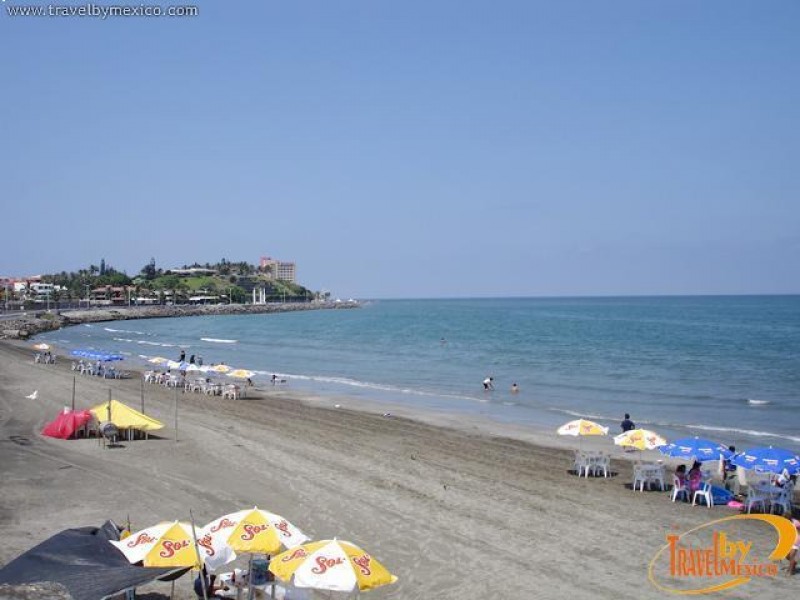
(31, 323)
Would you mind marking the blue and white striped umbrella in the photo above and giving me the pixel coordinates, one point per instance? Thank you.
(695, 448)
(774, 460)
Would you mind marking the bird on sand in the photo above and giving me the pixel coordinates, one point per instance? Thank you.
(33, 396)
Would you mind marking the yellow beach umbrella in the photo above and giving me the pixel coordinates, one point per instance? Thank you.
(168, 544)
(241, 374)
(247, 531)
(331, 565)
(641, 439)
(158, 360)
(582, 427)
(219, 368)
(42, 346)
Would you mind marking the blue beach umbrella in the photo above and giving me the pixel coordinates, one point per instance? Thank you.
(97, 355)
(774, 460)
(695, 448)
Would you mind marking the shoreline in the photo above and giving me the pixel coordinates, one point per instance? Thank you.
(28, 325)
(431, 501)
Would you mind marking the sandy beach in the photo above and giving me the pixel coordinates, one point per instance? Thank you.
(456, 508)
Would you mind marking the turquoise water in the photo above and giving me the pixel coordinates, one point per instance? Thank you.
(727, 368)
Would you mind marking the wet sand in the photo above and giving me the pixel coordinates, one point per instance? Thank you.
(456, 508)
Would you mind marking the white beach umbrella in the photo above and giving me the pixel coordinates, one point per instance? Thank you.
(333, 565)
(247, 531)
(168, 544)
(641, 439)
(581, 427)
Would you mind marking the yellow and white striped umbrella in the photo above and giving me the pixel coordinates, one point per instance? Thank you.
(641, 439)
(42, 346)
(241, 374)
(168, 544)
(249, 531)
(582, 427)
(158, 360)
(331, 565)
(219, 368)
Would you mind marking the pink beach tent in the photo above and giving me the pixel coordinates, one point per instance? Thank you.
(67, 423)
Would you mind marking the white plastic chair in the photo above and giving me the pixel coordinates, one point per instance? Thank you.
(656, 475)
(639, 478)
(784, 501)
(754, 499)
(704, 492)
(577, 463)
(678, 489)
(601, 463)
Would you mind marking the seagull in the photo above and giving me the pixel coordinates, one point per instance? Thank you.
(33, 396)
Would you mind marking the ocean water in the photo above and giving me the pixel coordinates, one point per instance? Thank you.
(727, 368)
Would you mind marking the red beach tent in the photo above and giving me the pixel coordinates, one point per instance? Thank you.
(67, 423)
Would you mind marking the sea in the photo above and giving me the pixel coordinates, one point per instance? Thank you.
(721, 367)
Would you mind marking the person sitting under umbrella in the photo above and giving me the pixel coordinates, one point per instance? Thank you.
(211, 589)
(695, 477)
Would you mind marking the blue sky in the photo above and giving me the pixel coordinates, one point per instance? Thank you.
(413, 149)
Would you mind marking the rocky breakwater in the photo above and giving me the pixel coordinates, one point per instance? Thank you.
(31, 323)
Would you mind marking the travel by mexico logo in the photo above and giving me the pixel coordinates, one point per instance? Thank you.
(722, 554)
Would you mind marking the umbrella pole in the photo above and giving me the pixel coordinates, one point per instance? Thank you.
(73, 393)
(172, 590)
(176, 415)
(199, 561)
(142, 392)
(250, 589)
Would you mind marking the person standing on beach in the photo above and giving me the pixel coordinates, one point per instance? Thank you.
(627, 424)
(183, 356)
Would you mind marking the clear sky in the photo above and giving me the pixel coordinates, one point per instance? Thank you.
(413, 148)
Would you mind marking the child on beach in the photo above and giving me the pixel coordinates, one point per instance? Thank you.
(680, 473)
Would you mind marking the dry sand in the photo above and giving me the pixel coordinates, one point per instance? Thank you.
(466, 510)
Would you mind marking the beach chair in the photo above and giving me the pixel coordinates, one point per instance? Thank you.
(784, 500)
(639, 477)
(754, 499)
(581, 464)
(705, 493)
(678, 489)
(601, 463)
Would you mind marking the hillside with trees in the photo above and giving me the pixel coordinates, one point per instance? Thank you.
(224, 280)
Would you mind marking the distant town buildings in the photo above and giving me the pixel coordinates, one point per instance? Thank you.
(28, 288)
(227, 280)
(278, 270)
